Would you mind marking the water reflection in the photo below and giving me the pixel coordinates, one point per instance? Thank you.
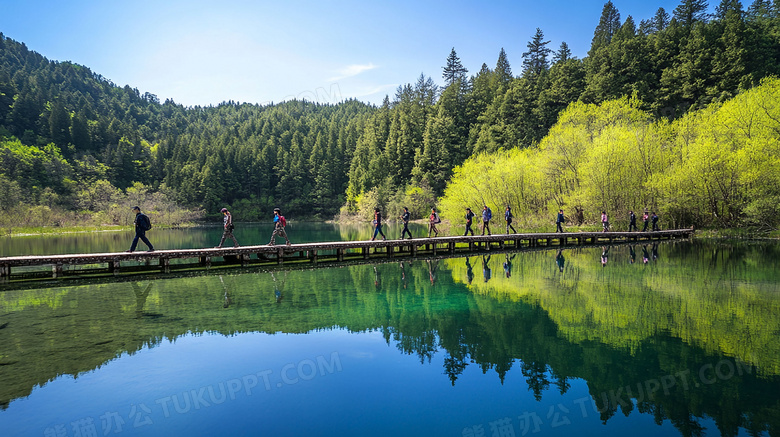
(693, 337)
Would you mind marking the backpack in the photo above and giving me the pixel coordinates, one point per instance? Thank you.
(282, 221)
(489, 214)
(146, 224)
(436, 218)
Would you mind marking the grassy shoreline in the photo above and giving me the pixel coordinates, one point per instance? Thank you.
(23, 231)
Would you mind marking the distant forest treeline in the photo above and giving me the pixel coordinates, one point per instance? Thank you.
(71, 141)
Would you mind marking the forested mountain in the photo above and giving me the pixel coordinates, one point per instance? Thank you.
(71, 140)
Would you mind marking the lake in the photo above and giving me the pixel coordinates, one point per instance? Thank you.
(677, 338)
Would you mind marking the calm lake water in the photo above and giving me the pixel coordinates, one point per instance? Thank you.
(679, 338)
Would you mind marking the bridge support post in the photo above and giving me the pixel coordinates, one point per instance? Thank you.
(414, 249)
(5, 270)
(364, 251)
(452, 247)
(56, 270)
(313, 257)
(280, 255)
(390, 251)
(340, 254)
(165, 265)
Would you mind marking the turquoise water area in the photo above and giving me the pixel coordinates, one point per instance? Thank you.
(678, 338)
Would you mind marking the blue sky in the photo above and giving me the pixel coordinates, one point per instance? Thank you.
(206, 52)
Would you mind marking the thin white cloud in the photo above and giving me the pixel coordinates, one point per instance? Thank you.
(352, 70)
(376, 90)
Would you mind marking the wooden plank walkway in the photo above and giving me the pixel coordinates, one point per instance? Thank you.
(322, 251)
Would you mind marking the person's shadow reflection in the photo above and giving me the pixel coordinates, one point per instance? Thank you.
(140, 298)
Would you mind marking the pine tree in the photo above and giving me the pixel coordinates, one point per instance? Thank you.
(79, 133)
(59, 125)
(660, 20)
(535, 61)
(609, 23)
(730, 62)
(728, 5)
(563, 54)
(759, 9)
(690, 11)
(503, 72)
(454, 70)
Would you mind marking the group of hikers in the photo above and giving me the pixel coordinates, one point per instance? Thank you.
(487, 216)
(143, 224)
(652, 218)
(434, 219)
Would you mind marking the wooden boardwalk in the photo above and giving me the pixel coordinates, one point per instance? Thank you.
(160, 260)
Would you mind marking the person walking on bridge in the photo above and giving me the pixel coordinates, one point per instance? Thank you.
(142, 224)
(508, 217)
(469, 217)
(433, 221)
(645, 218)
(604, 222)
(378, 225)
(559, 221)
(654, 219)
(228, 226)
(487, 214)
(631, 221)
(405, 219)
(279, 223)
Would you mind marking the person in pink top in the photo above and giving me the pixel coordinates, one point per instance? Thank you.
(604, 221)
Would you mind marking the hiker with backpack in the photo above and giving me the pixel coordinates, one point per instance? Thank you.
(508, 217)
(405, 219)
(559, 221)
(378, 225)
(469, 217)
(631, 221)
(228, 228)
(487, 214)
(433, 221)
(279, 223)
(142, 224)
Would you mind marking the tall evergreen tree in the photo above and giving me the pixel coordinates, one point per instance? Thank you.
(535, 61)
(728, 5)
(660, 20)
(563, 54)
(759, 9)
(730, 62)
(79, 133)
(503, 72)
(690, 11)
(59, 125)
(609, 23)
(454, 70)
